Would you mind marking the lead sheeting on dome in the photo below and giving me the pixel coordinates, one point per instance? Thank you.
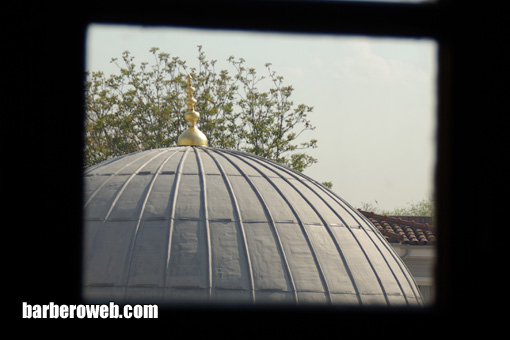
(194, 224)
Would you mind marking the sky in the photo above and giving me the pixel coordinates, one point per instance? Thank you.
(374, 99)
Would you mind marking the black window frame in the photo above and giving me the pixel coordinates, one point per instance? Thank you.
(46, 73)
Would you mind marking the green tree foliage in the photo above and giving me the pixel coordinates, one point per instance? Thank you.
(328, 185)
(423, 208)
(143, 107)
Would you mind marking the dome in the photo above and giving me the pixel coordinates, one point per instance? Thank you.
(199, 224)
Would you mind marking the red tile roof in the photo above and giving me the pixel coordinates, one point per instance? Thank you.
(404, 229)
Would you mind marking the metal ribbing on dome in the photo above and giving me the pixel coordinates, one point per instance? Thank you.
(203, 224)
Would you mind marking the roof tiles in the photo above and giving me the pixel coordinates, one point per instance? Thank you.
(403, 229)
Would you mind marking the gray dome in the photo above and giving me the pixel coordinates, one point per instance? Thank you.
(203, 224)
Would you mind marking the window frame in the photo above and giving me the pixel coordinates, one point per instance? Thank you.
(465, 218)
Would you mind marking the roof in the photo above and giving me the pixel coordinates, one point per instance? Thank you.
(193, 223)
(413, 230)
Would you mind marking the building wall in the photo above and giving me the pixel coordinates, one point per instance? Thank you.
(420, 260)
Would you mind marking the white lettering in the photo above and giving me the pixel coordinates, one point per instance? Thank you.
(103, 311)
(92, 311)
(64, 311)
(72, 309)
(138, 311)
(27, 311)
(36, 312)
(54, 310)
(127, 311)
(112, 310)
(81, 311)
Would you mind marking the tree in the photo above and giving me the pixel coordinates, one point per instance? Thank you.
(143, 107)
(423, 208)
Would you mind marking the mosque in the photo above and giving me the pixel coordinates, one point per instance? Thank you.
(196, 224)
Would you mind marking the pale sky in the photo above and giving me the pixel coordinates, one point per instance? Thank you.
(374, 99)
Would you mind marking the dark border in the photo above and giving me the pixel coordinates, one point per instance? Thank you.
(44, 74)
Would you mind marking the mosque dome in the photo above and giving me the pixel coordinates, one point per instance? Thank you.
(197, 224)
(191, 223)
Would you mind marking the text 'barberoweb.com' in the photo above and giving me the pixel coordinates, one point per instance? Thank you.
(105, 311)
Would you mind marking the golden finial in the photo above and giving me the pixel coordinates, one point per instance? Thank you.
(192, 136)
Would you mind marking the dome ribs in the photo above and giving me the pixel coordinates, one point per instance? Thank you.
(387, 247)
(89, 173)
(264, 163)
(112, 205)
(147, 194)
(206, 218)
(367, 258)
(197, 224)
(175, 192)
(301, 224)
(273, 223)
(125, 184)
(398, 233)
(239, 224)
